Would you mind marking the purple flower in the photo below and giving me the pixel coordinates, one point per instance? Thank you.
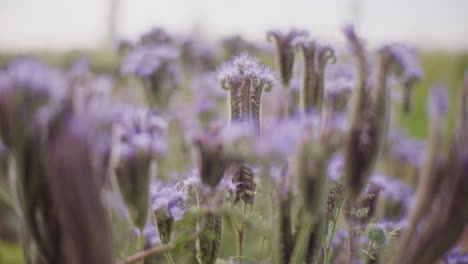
(406, 59)
(438, 102)
(456, 256)
(335, 168)
(140, 139)
(393, 189)
(155, 36)
(168, 198)
(31, 92)
(243, 68)
(144, 61)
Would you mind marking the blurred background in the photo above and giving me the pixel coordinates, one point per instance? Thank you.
(61, 31)
(68, 24)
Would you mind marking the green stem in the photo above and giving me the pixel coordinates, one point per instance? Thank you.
(368, 253)
(168, 256)
(302, 241)
(330, 242)
(240, 236)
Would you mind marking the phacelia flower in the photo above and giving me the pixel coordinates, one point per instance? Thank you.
(139, 141)
(168, 202)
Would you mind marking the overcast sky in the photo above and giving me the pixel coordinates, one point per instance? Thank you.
(63, 24)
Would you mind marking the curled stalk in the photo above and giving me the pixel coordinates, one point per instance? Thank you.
(284, 60)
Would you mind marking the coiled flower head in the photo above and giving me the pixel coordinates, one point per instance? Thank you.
(168, 203)
(284, 52)
(246, 79)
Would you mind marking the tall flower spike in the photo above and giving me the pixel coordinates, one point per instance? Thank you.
(140, 140)
(451, 209)
(311, 174)
(357, 165)
(430, 175)
(308, 92)
(448, 214)
(246, 80)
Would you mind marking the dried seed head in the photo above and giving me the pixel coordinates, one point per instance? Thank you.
(285, 52)
(335, 197)
(244, 180)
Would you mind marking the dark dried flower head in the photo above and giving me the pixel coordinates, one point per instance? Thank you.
(284, 52)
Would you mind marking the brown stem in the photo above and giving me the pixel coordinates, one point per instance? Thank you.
(146, 253)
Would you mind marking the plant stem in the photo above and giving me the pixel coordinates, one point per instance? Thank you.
(146, 253)
(368, 253)
(329, 244)
(168, 256)
(240, 236)
(302, 241)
